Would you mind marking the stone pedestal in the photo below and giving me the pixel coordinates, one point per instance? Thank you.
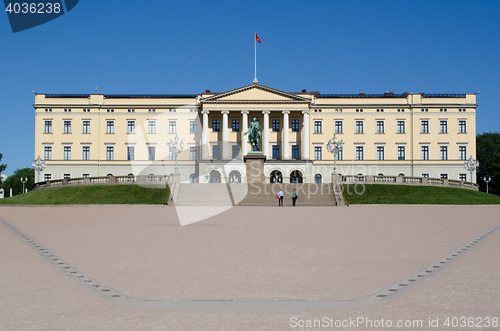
(255, 167)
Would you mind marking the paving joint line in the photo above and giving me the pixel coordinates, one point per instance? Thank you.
(246, 304)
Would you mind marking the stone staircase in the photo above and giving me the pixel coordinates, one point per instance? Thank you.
(254, 194)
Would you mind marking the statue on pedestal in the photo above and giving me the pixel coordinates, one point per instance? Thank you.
(254, 135)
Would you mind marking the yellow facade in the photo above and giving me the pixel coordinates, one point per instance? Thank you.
(74, 136)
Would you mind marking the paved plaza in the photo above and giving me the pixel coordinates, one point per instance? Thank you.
(248, 268)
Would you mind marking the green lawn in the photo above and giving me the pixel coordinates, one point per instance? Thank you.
(96, 194)
(402, 194)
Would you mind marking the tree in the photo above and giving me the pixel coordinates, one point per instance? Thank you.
(15, 183)
(488, 155)
(2, 168)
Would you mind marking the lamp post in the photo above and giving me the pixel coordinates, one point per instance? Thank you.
(334, 147)
(39, 166)
(175, 150)
(24, 180)
(471, 165)
(487, 180)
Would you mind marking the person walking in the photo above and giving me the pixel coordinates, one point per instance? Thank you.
(294, 197)
(280, 199)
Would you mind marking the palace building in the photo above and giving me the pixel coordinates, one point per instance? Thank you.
(419, 135)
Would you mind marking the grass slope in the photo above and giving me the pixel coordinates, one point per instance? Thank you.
(98, 194)
(402, 194)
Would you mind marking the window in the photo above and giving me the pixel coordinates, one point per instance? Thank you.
(295, 125)
(462, 126)
(338, 127)
(215, 125)
(318, 153)
(151, 127)
(193, 128)
(67, 127)
(443, 126)
(85, 153)
(130, 127)
(276, 152)
(130, 153)
(67, 153)
(359, 153)
(425, 175)
(401, 152)
(85, 126)
(216, 152)
(380, 153)
(110, 153)
(275, 125)
(47, 177)
(193, 179)
(85, 175)
(172, 127)
(318, 127)
(425, 109)
(235, 125)
(359, 110)
(401, 127)
(443, 109)
(47, 153)
(235, 151)
(152, 110)
(317, 179)
(381, 110)
(425, 153)
(444, 176)
(111, 110)
(424, 126)
(340, 154)
(295, 152)
(47, 127)
(193, 153)
(462, 177)
(359, 126)
(151, 153)
(66, 176)
(110, 126)
(380, 127)
(443, 152)
(462, 152)
(131, 110)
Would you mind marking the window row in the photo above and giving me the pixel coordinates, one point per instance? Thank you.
(110, 126)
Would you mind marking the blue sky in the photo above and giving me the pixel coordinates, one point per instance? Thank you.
(159, 46)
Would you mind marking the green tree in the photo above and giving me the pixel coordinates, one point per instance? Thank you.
(488, 155)
(2, 168)
(15, 183)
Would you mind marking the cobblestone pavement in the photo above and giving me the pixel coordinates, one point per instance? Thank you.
(264, 268)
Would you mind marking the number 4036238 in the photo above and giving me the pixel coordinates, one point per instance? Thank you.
(33, 8)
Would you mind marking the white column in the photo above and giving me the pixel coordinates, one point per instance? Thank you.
(265, 131)
(244, 128)
(225, 135)
(305, 135)
(204, 136)
(286, 139)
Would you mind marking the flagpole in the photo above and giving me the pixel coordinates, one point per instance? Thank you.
(255, 42)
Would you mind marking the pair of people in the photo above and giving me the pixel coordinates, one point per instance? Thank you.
(280, 198)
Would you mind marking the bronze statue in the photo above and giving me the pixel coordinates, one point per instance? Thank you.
(254, 135)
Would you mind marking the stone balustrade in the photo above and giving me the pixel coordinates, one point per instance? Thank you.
(105, 180)
(404, 180)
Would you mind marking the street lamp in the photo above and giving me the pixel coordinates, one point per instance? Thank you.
(487, 180)
(471, 165)
(334, 147)
(24, 180)
(39, 166)
(175, 150)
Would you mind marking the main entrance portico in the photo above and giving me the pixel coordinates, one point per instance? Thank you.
(269, 106)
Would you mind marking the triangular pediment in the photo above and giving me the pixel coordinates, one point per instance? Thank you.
(255, 93)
